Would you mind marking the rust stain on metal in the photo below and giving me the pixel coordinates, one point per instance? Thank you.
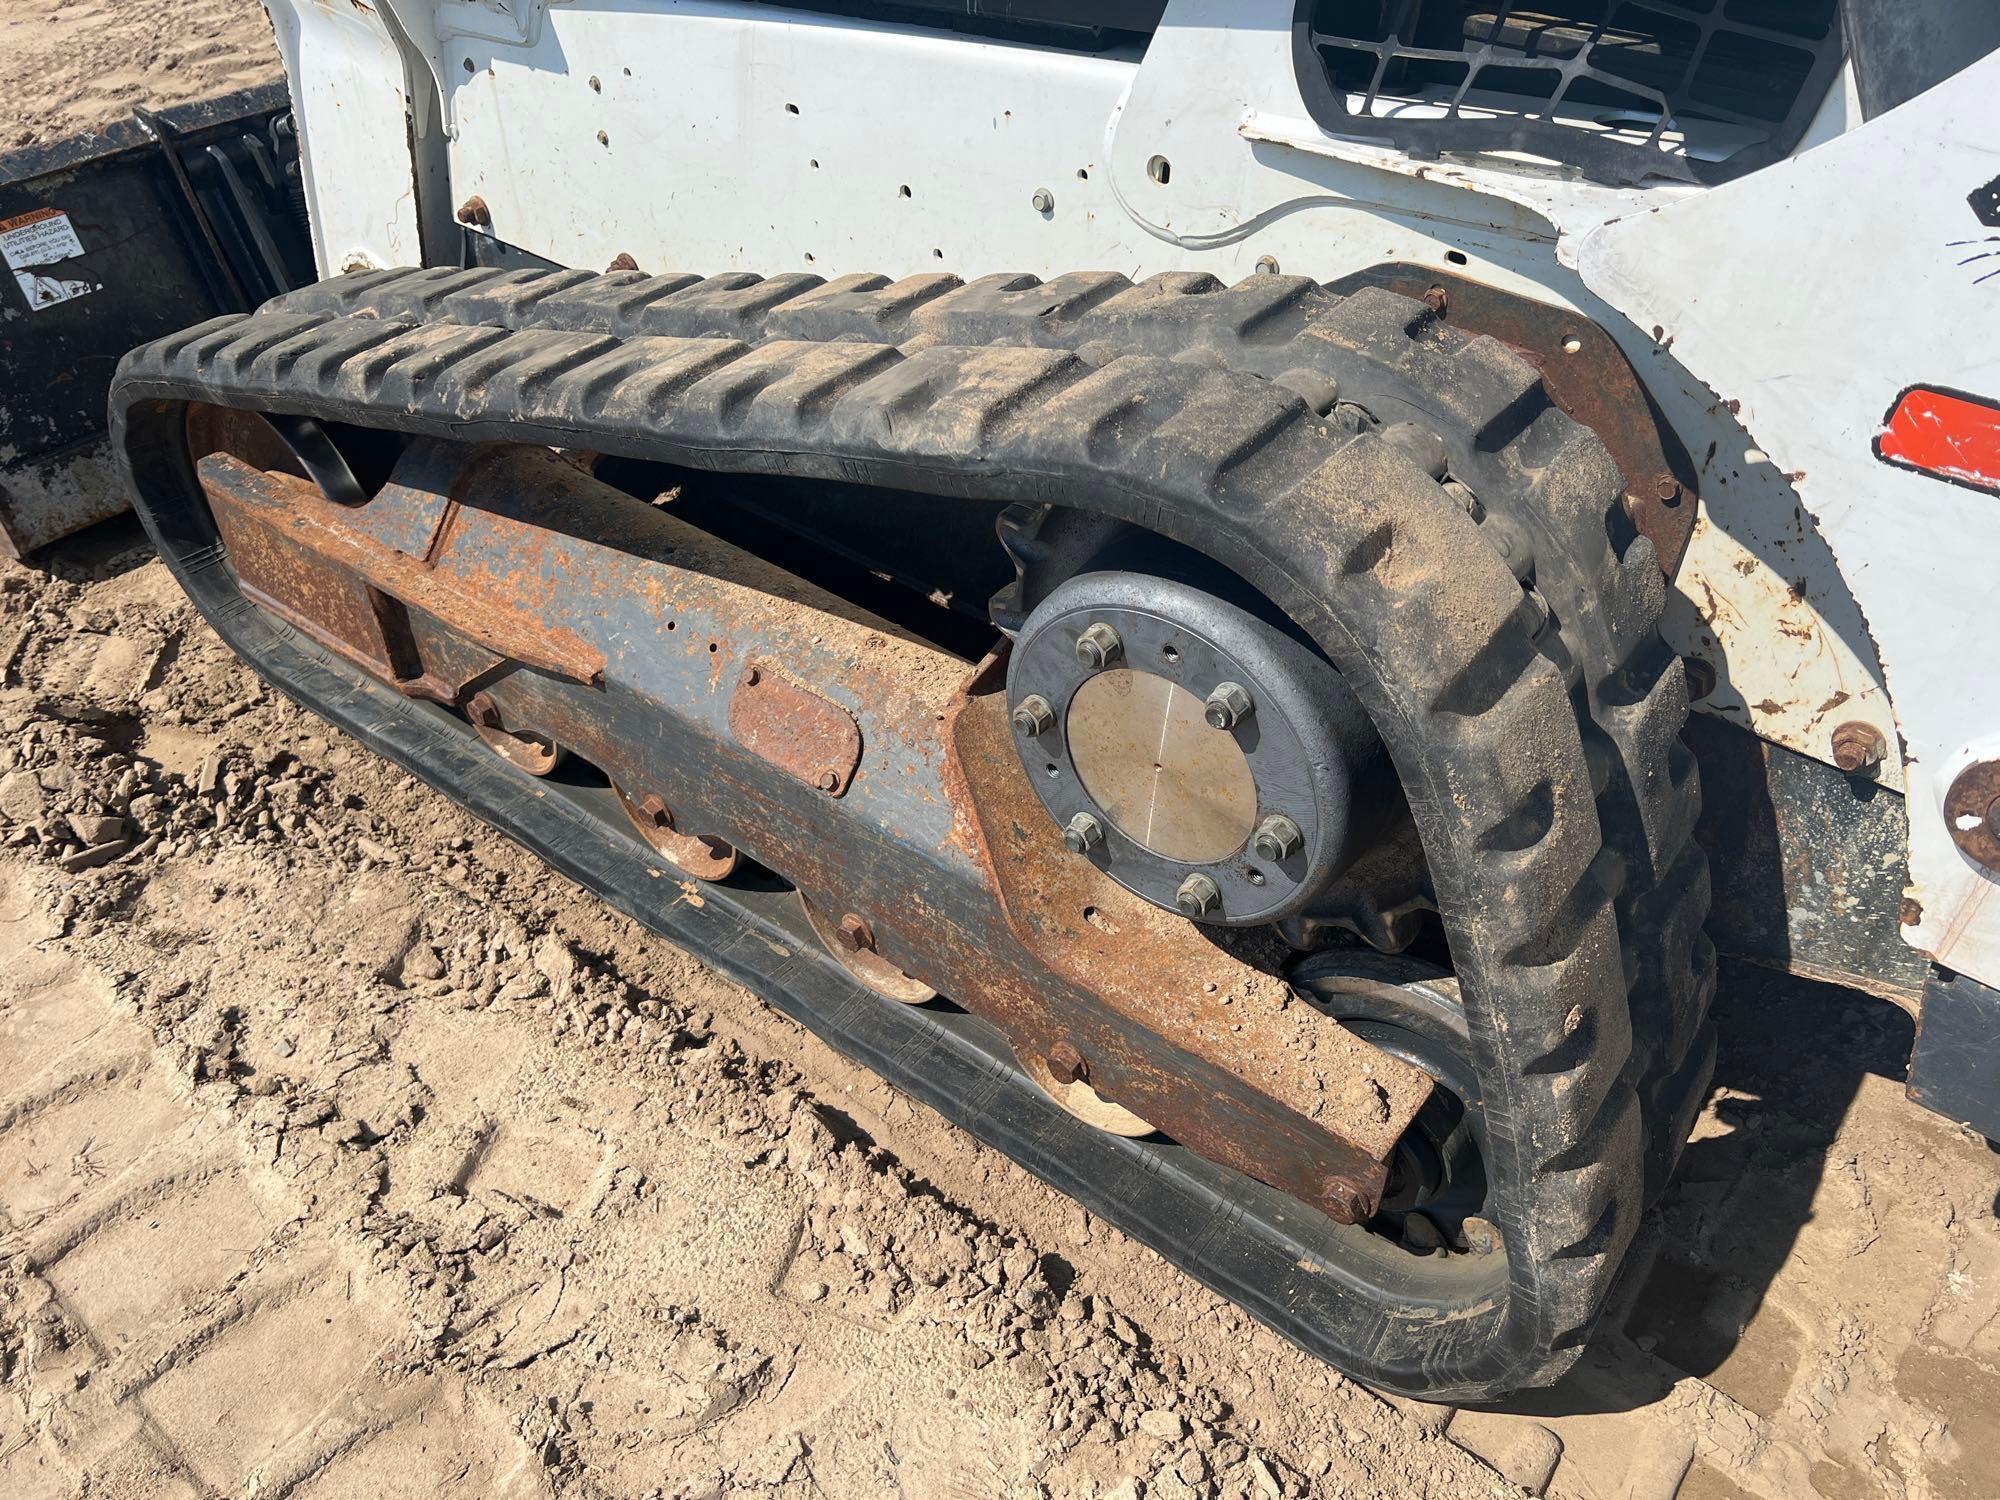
(1857, 746)
(795, 729)
(484, 614)
(1589, 377)
(1972, 813)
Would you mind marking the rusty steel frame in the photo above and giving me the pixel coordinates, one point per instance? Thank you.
(873, 771)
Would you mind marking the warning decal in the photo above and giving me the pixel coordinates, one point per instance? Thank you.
(42, 237)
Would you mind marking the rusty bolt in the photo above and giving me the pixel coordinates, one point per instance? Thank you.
(1228, 706)
(483, 711)
(1267, 265)
(1438, 300)
(855, 935)
(1668, 489)
(1033, 716)
(655, 811)
(474, 211)
(1276, 838)
(1858, 747)
(1198, 896)
(1098, 647)
(1066, 1064)
(1700, 677)
(1083, 834)
(623, 261)
(828, 780)
(1344, 1200)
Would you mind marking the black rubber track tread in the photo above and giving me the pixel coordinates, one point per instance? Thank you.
(1065, 392)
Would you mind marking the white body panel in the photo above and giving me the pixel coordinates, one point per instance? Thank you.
(348, 91)
(710, 137)
(1818, 333)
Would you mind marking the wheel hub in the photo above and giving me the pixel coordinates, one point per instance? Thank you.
(1199, 756)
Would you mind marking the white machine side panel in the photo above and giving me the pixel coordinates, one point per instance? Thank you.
(346, 76)
(1815, 293)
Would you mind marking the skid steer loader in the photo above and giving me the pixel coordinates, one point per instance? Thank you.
(1141, 567)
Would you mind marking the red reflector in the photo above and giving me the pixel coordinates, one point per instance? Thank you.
(1946, 435)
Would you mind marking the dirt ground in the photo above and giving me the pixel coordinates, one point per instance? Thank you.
(346, 1151)
(78, 65)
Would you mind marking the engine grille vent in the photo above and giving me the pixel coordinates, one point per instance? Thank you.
(1619, 91)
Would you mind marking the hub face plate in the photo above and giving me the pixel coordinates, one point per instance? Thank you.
(1129, 745)
(1162, 776)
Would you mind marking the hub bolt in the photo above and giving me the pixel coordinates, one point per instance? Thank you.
(655, 811)
(1198, 896)
(1033, 716)
(1098, 647)
(854, 935)
(1228, 706)
(1083, 834)
(1276, 838)
(1066, 1064)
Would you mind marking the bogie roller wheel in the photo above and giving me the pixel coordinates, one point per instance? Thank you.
(702, 857)
(1074, 1094)
(526, 749)
(1412, 1010)
(850, 939)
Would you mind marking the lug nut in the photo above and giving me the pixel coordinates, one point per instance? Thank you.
(1276, 838)
(1033, 716)
(1198, 896)
(1083, 834)
(1098, 647)
(1228, 706)
(1066, 1064)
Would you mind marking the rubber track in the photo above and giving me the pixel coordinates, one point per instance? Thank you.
(1539, 754)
